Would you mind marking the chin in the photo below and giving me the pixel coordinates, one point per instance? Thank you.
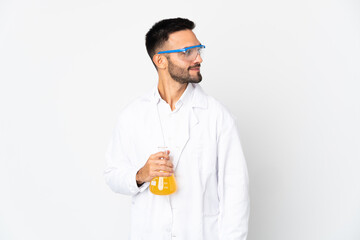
(195, 80)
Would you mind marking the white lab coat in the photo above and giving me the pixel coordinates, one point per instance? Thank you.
(212, 200)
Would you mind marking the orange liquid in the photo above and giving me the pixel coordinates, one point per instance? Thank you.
(163, 185)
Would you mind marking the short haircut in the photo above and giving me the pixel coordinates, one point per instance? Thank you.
(160, 31)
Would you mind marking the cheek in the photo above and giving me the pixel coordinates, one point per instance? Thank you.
(180, 64)
(181, 68)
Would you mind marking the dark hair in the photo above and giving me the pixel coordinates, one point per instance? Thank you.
(160, 31)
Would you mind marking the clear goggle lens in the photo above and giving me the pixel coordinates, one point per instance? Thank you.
(191, 53)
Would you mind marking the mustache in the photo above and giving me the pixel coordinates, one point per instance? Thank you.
(195, 66)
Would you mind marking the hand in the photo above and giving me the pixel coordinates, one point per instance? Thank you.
(158, 165)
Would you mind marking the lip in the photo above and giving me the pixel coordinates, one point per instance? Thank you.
(195, 69)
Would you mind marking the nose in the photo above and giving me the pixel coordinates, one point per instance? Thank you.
(198, 58)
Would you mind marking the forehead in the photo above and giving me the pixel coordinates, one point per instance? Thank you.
(181, 39)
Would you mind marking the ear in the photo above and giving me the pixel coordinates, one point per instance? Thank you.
(160, 61)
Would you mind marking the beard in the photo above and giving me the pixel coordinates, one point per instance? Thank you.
(182, 75)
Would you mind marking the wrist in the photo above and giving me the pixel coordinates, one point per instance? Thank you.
(139, 180)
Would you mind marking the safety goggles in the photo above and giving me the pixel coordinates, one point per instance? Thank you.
(188, 53)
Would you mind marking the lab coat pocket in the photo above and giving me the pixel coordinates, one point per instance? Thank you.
(138, 221)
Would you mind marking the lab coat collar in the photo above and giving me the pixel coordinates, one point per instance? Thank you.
(184, 98)
(198, 100)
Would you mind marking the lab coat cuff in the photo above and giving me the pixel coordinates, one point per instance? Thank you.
(133, 185)
(144, 187)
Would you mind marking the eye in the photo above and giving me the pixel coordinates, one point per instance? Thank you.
(188, 52)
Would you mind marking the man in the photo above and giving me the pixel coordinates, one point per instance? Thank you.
(211, 201)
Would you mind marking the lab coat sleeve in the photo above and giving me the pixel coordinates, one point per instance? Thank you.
(233, 186)
(120, 173)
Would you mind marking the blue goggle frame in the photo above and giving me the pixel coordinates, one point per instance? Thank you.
(181, 49)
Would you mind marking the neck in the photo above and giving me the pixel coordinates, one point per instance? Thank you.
(171, 91)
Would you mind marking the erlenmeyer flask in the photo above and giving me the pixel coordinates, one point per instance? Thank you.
(163, 185)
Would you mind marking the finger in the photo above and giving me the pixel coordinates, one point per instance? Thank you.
(161, 167)
(163, 174)
(169, 169)
(157, 156)
(161, 162)
(161, 155)
(164, 168)
(166, 152)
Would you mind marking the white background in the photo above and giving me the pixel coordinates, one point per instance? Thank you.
(288, 70)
